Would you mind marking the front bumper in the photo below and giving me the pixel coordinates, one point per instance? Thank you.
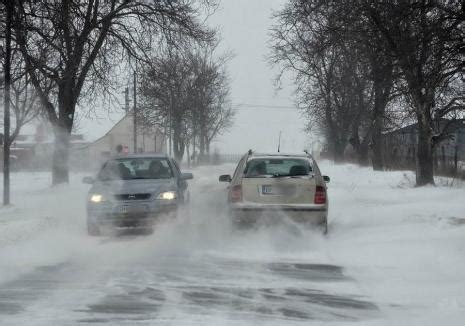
(130, 213)
(253, 213)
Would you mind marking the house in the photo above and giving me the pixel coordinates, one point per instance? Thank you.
(30, 152)
(118, 140)
(400, 145)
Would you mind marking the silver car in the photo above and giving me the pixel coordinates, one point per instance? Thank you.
(278, 185)
(135, 191)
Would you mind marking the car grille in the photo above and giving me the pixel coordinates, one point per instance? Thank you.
(132, 197)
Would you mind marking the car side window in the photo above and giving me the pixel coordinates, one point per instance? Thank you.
(239, 167)
(315, 167)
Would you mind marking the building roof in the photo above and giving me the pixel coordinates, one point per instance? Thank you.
(111, 129)
(449, 125)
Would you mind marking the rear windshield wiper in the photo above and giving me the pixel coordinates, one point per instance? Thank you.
(289, 175)
(277, 175)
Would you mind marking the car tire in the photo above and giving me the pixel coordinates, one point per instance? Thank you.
(93, 229)
(174, 214)
(324, 227)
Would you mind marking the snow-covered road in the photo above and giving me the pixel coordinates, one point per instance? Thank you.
(394, 255)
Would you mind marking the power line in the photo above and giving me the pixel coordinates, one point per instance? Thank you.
(247, 106)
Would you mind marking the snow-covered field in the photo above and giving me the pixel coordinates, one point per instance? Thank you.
(394, 256)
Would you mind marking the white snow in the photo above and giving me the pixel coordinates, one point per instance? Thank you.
(402, 247)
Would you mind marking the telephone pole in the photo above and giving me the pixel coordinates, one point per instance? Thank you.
(135, 113)
(126, 100)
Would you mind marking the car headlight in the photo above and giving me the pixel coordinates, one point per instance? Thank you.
(168, 195)
(96, 198)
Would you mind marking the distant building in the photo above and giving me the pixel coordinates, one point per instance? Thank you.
(400, 145)
(35, 153)
(119, 139)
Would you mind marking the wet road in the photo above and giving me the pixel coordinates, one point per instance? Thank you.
(195, 271)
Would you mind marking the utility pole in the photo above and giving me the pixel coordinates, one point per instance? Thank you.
(126, 100)
(170, 125)
(135, 113)
(6, 116)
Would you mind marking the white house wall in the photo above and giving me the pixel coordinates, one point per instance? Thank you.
(121, 134)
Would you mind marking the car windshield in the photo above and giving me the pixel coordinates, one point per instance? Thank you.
(135, 168)
(277, 167)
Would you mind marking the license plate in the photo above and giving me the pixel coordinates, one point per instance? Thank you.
(278, 190)
(124, 209)
(267, 190)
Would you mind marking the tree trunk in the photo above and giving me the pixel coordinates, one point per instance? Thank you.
(335, 147)
(382, 84)
(6, 117)
(363, 154)
(194, 155)
(443, 159)
(60, 164)
(377, 148)
(377, 133)
(201, 146)
(360, 147)
(178, 147)
(424, 166)
(62, 130)
(338, 151)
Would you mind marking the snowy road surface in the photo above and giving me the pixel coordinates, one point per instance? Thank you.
(394, 255)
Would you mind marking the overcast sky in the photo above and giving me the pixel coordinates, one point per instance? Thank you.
(244, 26)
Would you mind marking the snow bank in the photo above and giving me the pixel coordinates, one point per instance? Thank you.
(43, 225)
(404, 245)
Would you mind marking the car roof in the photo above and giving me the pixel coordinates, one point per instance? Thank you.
(279, 155)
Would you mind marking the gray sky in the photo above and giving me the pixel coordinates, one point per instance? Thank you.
(244, 26)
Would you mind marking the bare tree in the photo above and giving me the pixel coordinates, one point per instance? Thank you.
(331, 77)
(413, 48)
(425, 40)
(74, 44)
(186, 93)
(6, 117)
(163, 97)
(211, 110)
(23, 101)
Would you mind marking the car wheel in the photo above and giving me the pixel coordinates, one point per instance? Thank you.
(93, 229)
(169, 215)
(174, 214)
(324, 227)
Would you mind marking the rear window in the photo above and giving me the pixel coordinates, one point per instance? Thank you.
(277, 167)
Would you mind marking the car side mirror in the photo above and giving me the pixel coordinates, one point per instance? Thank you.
(225, 178)
(187, 176)
(326, 178)
(88, 180)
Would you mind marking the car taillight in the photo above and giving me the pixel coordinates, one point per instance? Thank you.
(320, 195)
(236, 193)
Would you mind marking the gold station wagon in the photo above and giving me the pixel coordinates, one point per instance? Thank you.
(268, 187)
